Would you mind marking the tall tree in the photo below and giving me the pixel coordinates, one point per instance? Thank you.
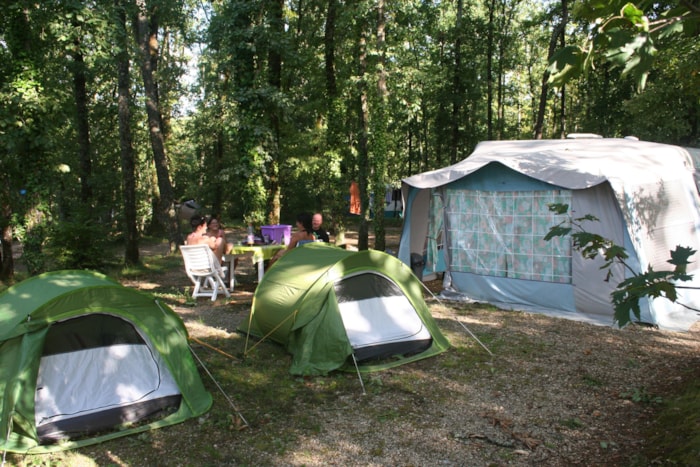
(146, 30)
(458, 85)
(364, 169)
(82, 118)
(276, 22)
(557, 31)
(380, 146)
(128, 164)
(489, 68)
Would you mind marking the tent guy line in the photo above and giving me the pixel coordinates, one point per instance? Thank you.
(216, 383)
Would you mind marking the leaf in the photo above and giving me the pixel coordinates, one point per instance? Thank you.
(633, 52)
(557, 231)
(566, 64)
(558, 208)
(679, 256)
(635, 16)
(616, 252)
(587, 217)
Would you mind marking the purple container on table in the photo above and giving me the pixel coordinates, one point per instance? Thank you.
(278, 234)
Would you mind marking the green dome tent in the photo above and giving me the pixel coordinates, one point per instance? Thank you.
(84, 360)
(327, 306)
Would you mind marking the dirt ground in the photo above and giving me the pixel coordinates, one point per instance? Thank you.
(554, 392)
(539, 391)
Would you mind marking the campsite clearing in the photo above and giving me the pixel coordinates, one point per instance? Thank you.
(555, 392)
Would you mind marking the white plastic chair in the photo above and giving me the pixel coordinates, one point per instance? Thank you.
(205, 271)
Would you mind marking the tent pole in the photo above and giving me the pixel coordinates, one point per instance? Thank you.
(359, 375)
(460, 323)
(9, 432)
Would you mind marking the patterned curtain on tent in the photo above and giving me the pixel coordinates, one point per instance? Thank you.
(434, 230)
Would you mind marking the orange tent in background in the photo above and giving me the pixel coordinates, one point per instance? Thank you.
(355, 206)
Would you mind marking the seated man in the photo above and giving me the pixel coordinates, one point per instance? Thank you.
(319, 232)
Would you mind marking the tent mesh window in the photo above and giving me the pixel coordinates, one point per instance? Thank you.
(379, 320)
(98, 372)
(501, 233)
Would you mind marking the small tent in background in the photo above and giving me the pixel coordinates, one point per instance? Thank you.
(84, 360)
(327, 306)
(483, 220)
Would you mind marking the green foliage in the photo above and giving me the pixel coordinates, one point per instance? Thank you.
(652, 284)
(625, 36)
(625, 298)
(33, 254)
(79, 243)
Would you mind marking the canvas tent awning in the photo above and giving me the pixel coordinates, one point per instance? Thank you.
(643, 194)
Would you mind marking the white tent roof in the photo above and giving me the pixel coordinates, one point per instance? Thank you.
(571, 163)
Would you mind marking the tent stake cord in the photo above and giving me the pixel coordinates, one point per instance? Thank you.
(247, 334)
(211, 347)
(238, 412)
(359, 375)
(460, 323)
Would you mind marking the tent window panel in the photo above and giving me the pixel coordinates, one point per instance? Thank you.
(382, 325)
(128, 379)
(365, 286)
(501, 234)
(90, 331)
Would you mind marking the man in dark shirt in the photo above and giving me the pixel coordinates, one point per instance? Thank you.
(319, 231)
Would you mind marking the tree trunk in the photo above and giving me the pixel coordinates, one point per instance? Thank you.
(276, 22)
(83, 126)
(457, 87)
(362, 143)
(489, 71)
(131, 247)
(338, 204)
(147, 41)
(7, 263)
(380, 136)
(562, 44)
(539, 123)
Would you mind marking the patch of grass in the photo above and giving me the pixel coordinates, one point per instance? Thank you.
(592, 381)
(641, 396)
(674, 439)
(463, 357)
(572, 423)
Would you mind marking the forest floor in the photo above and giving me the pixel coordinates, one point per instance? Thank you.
(514, 389)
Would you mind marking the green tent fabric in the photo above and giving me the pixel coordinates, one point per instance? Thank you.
(78, 310)
(308, 298)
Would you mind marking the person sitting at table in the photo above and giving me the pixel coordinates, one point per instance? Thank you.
(214, 230)
(199, 235)
(303, 234)
(319, 231)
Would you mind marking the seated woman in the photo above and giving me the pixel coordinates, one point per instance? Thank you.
(215, 231)
(304, 233)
